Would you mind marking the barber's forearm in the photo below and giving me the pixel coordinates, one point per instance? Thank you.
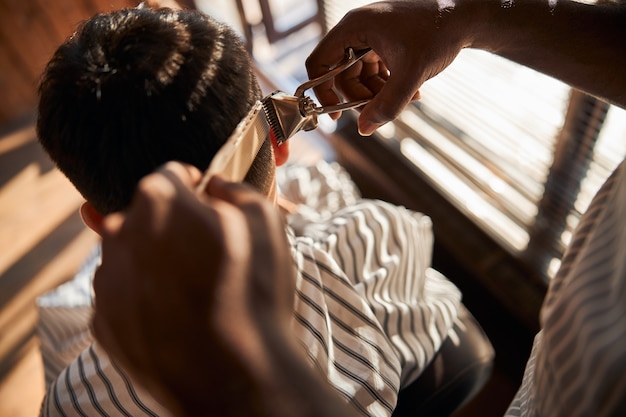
(582, 45)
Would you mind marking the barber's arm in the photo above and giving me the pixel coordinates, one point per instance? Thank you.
(580, 44)
(194, 297)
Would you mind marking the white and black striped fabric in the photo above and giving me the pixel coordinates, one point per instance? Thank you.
(64, 332)
(369, 312)
(64, 321)
(578, 363)
(92, 385)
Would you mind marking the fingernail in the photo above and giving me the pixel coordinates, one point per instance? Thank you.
(367, 128)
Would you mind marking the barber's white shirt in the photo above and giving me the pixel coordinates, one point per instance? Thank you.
(578, 363)
(369, 312)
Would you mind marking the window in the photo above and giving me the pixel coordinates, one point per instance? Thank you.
(518, 152)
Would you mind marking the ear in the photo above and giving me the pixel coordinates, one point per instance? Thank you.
(281, 152)
(91, 217)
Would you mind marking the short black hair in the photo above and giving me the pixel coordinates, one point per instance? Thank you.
(134, 88)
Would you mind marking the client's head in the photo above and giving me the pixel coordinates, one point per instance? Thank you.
(135, 88)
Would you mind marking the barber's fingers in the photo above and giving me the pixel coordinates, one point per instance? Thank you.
(331, 50)
(318, 64)
(362, 80)
(273, 274)
(168, 181)
(387, 79)
(233, 192)
(188, 175)
(264, 219)
(396, 93)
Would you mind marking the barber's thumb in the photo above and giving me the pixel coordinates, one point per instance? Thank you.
(384, 107)
(368, 125)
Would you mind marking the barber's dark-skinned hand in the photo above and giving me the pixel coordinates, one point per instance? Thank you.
(194, 298)
(411, 43)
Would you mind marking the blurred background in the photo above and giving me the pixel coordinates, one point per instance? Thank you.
(502, 158)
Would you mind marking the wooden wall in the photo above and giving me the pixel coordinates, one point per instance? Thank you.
(30, 31)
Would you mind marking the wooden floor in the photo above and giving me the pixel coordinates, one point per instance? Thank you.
(42, 243)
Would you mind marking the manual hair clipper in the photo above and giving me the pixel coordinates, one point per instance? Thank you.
(285, 115)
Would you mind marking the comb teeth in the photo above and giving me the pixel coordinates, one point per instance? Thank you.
(272, 118)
